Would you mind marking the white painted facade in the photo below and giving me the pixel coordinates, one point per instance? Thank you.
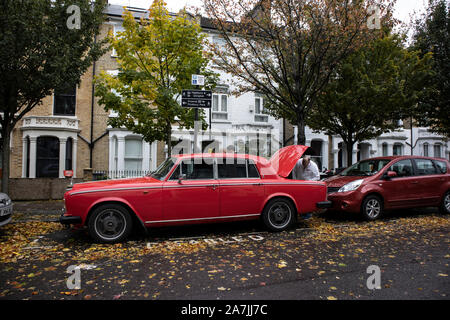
(59, 127)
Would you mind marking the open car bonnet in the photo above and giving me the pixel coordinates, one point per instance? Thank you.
(284, 160)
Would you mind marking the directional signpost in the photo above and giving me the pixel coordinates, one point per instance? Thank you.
(196, 99)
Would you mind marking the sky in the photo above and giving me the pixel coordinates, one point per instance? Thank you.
(403, 8)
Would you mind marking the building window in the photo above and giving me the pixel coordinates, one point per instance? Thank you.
(65, 99)
(47, 157)
(385, 149)
(116, 30)
(437, 150)
(397, 149)
(114, 73)
(69, 154)
(425, 150)
(260, 111)
(220, 107)
(133, 154)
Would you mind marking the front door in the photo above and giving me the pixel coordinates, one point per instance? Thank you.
(241, 190)
(195, 197)
(403, 190)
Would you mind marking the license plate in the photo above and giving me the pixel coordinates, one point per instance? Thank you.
(5, 211)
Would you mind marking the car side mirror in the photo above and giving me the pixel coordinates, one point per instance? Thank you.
(181, 178)
(391, 174)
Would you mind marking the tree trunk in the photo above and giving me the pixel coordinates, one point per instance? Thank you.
(169, 140)
(301, 135)
(5, 160)
(349, 146)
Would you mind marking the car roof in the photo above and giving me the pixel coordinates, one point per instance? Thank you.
(221, 155)
(405, 157)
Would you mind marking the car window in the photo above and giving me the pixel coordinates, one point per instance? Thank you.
(403, 168)
(164, 168)
(442, 166)
(230, 168)
(365, 167)
(176, 174)
(252, 170)
(196, 170)
(425, 167)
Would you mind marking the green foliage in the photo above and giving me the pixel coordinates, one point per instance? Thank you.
(40, 53)
(432, 36)
(373, 89)
(156, 58)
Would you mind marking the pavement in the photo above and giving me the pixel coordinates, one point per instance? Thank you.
(328, 257)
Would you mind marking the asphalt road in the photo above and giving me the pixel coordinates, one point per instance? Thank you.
(325, 258)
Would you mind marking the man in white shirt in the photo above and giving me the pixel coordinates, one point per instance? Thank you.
(305, 169)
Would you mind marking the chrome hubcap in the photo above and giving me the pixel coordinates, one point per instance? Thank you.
(279, 215)
(373, 208)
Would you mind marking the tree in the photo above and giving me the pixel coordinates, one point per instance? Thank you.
(288, 49)
(45, 44)
(371, 91)
(156, 58)
(432, 34)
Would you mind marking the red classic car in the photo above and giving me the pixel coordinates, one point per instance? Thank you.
(197, 188)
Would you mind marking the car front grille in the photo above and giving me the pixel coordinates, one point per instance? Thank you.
(332, 189)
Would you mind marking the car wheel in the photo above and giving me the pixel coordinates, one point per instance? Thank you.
(445, 205)
(110, 224)
(372, 208)
(278, 214)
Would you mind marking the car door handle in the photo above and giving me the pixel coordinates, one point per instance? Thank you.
(257, 184)
(213, 186)
(414, 182)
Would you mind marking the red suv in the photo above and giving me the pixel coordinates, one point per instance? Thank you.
(374, 185)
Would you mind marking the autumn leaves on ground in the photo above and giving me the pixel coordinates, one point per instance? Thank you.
(321, 258)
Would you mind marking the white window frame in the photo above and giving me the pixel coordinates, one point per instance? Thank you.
(132, 157)
(221, 111)
(426, 149)
(116, 28)
(260, 116)
(398, 145)
(439, 147)
(114, 73)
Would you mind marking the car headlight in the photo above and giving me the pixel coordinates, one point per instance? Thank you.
(351, 186)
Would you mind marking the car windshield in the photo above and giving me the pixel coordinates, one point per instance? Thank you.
(365, 168)
(164, 168)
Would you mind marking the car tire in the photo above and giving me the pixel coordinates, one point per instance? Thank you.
(278, 214)
(110, 223)
(445, 204)
(372, 208)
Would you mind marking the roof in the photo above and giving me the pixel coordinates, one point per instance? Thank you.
(115, 10)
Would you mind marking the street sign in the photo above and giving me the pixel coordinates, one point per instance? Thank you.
(197, 80)
(196, 99)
